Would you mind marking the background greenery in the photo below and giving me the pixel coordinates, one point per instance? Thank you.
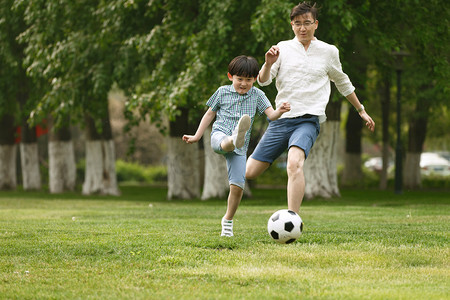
(365, 245)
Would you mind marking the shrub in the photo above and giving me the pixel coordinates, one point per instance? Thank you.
(134, 172)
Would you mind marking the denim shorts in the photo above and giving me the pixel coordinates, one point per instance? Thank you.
(284, 133)
(235, 163)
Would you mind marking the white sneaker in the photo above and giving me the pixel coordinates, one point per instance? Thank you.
(227, 227)
(240, 131)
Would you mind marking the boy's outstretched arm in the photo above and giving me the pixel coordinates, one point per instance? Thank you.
(275, 114)
(204, 123)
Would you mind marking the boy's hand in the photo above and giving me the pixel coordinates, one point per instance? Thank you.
(190, 139)
(272, 55)
(285, 107)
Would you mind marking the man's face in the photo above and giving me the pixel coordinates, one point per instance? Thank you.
(304, 27)
(241, 84)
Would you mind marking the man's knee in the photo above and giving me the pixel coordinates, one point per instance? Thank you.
(295, 161)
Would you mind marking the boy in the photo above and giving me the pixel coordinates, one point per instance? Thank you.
(234, 107)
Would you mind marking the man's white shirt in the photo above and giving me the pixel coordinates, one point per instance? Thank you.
(303, 77)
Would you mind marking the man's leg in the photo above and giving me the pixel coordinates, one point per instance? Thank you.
(255, 168)
(296, 178)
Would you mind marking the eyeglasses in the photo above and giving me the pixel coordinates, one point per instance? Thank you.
(307, 24)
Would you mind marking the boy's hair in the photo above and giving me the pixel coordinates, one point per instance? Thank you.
(245, 66)
(304, 8)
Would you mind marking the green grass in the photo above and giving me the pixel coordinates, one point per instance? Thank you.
(365, 245)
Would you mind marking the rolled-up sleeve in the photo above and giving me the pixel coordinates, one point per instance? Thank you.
(340, 79)
(273, 73)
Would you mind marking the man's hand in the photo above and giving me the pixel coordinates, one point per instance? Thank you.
(272, 55)
(369, 122)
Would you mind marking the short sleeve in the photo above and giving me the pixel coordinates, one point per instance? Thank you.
(263, 103)
(214, 101)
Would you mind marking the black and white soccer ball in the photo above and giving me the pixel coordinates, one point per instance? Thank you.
(285, 226)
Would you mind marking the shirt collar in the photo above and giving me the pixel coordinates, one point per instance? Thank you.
(298, 42)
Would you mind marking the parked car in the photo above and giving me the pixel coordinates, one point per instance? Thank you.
(376, 164)
(432, 163)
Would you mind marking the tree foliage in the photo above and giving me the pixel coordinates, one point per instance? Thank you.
(170, 56)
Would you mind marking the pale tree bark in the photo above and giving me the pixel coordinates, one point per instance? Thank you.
(8, 153)
(29, 158)
(100, 172)
(320, 167)
(183, 160)
(8, 173)
(61, 158)
(183, 174)
(411, 174)
(62, 168)
(215, 184)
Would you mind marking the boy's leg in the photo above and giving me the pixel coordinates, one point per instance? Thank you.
(236, 177)
(227, 144)
(237, 139)
(241, 129)
(234, 198)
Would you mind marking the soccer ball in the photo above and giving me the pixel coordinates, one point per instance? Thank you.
(285, 226)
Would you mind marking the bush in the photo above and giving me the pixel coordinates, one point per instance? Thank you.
(134, 172)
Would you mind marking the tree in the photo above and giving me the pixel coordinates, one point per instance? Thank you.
(215, 184)
(77, 49)
(9, 77)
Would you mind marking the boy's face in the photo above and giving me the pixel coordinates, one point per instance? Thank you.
(241, 84)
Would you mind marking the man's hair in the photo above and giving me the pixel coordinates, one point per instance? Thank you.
(245, 66)
(304, 8)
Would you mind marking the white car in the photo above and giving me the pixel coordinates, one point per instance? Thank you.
(433, 163)
(376, 164)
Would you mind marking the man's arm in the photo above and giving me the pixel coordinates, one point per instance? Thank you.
(271, 57)
(353, 99)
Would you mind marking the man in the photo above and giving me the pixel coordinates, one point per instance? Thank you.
(304, 67)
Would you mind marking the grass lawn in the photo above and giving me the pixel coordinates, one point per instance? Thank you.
(364, 245)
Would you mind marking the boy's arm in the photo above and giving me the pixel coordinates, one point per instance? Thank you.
(204, 123)
(275, 114)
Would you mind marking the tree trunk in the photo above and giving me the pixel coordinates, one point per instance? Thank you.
(215, 184)
(8, 153)
(29, 158)
(320, 168)
(183, 175)
(100, 172)
(352, 173)
(182, 170)
(412, 178)
(61, 156)
(417, 134)
(385, 99)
